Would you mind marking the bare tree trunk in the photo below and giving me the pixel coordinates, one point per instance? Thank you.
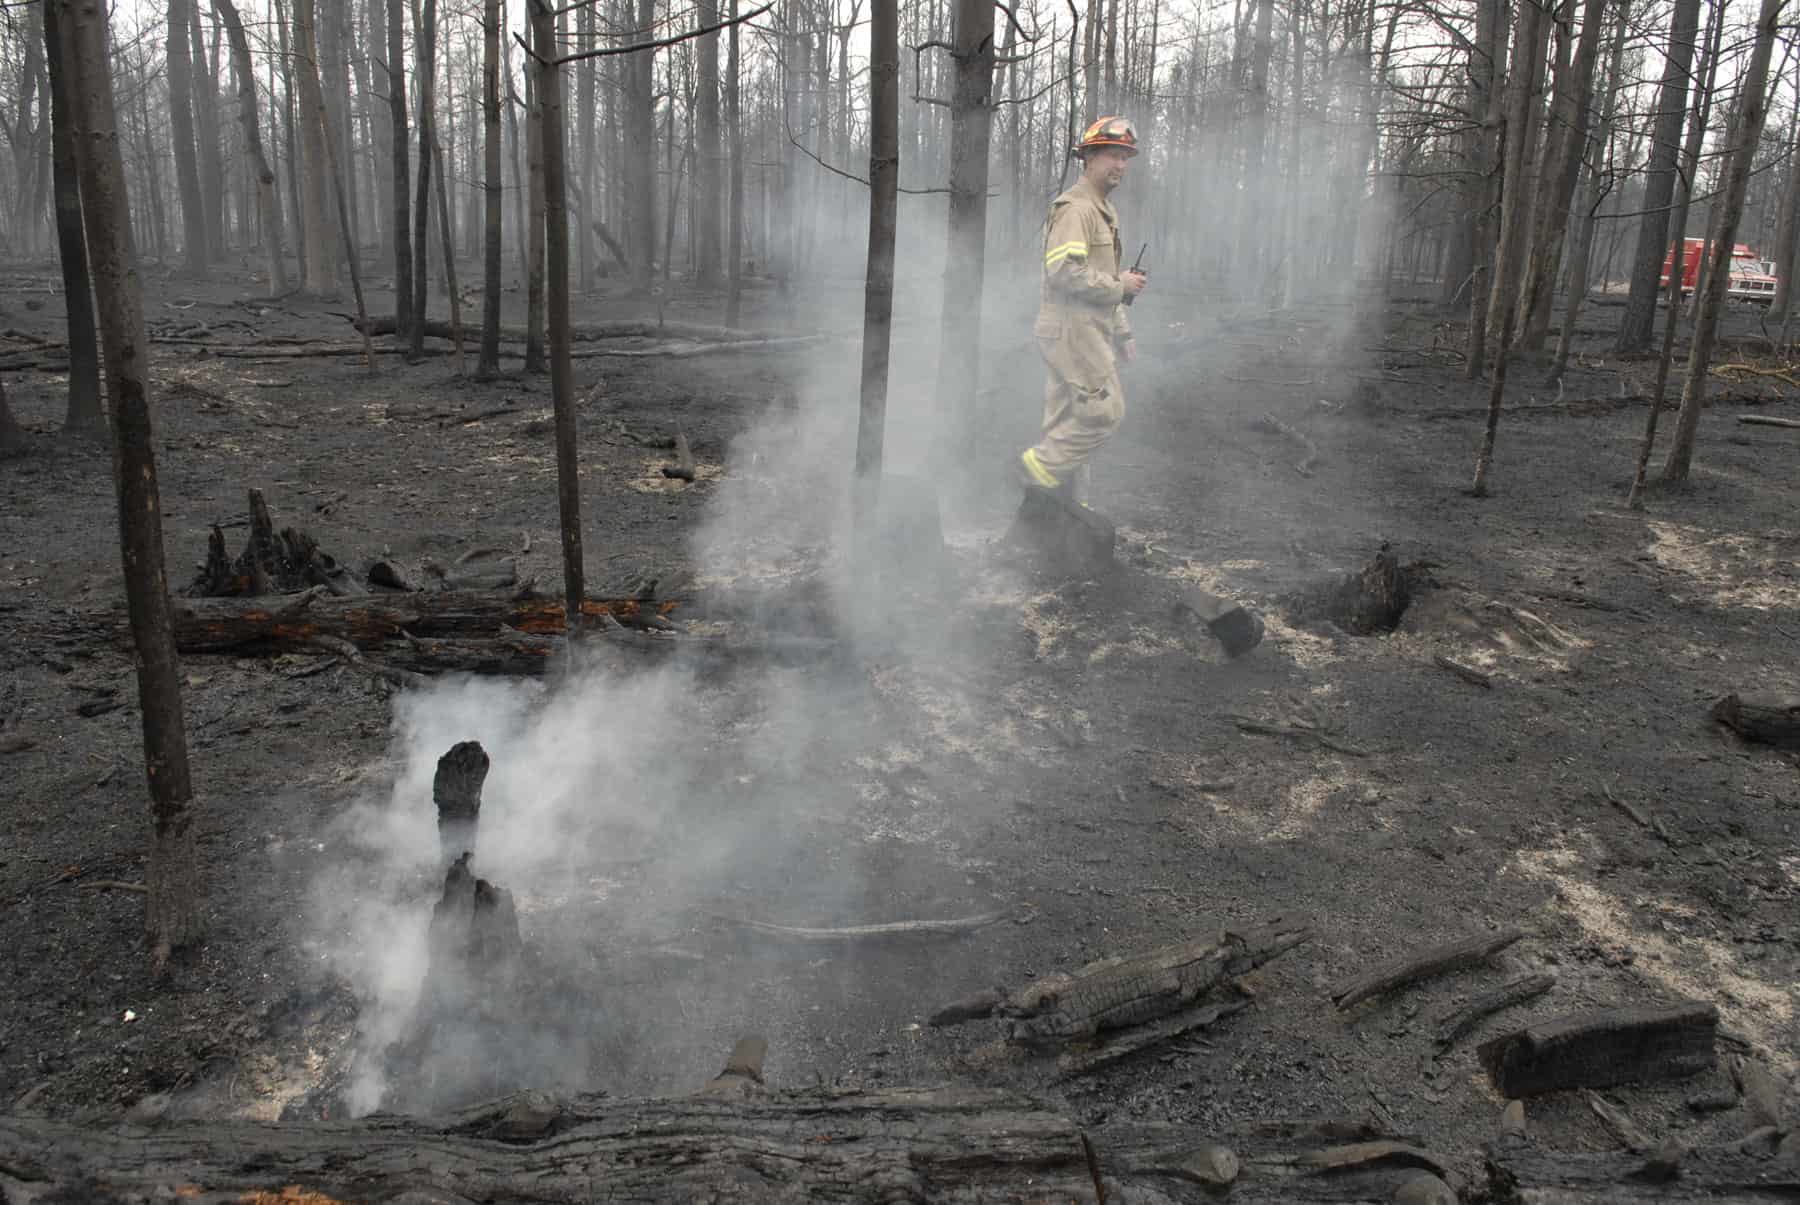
(447, 233)
(549, 95)
(1487, 64)
(403, 249)
(83, 416)
(172, 902)
(971, 116)
(1515, 217)
(1639, 316)
(706, 154)
(181, 127)
(1787, 230)
(334, 76)
(346, 232)
(488, 366)
(587, 208)
(640, 135)
(206, 127)
(878, 284)
(381, 139)
(1563, 153)
(269, 212)
(320, 268)
(1686, 185)
(1589, 206)
(1746, 125)
(735, 120)
(534, 216)
(424, 86)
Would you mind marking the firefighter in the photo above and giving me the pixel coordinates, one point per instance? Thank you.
(1081, 328)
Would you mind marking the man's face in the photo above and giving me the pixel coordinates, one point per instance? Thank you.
(1106, 166)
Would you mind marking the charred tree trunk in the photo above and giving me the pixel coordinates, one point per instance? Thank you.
(1639, 316)
(403, 247)
(1563, 153)
(706, 204)
(181, 128)
(878, 286)
(1746, 126)
(971, 118)
(424, 86)
(1515, 219)
(83, 416)
(268, 211)
(12, 437)
(320, 269)
(735, 206)
(1487, 61)
(172, 905)
(534, 210)
(206, 125)
(488, 367)
(556, 234)
(640, 136)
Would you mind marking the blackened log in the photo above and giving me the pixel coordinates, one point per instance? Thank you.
(1522, 1172)
(948, 1146)
(1410, 968)
(456, 790)
(274, 625)
(1761, 717)
(1600, 1050)
(1518, 991)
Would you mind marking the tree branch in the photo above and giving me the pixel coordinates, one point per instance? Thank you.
(639, 47)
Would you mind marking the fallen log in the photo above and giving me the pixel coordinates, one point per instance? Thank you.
(1772, 718)
(1521, 1172)
(956, 1146)
(1768, 420)
(438, 329)
(216, 625)
(1455, 1025)
(1410, 968)
(1309, 457)
(1116, 993)
(903, 930)
(1601, 1050)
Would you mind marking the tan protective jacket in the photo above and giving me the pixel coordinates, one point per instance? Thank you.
(1082, 297)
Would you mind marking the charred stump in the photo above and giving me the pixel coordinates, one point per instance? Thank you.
(456, 790)
(272, 562)
(1369, 602)
(1067, 539)
(1761, 717)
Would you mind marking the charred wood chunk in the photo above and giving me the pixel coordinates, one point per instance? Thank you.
(1761, 717)
(1410, 968)
(457, 792)
(1599, 1050)
(1368, 602)
(1068, 539)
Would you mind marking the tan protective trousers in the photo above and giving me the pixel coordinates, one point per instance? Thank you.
(1084, 401)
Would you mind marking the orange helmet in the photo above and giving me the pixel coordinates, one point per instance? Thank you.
(1109, 131)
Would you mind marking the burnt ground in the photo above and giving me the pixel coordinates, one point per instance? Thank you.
(992, 741)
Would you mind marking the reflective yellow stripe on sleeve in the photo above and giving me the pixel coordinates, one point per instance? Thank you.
(1071, 250)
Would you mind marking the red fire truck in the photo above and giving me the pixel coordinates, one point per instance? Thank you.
(1752, 279)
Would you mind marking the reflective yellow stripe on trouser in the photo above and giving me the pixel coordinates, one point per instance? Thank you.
(1083, 400)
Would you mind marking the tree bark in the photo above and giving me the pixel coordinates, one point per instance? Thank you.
(735, 206)
(1639, 316)
(1515, 217)
(534, 214)
(706, 204)
(1588, 210)
(971, 118)
(268, 211)
(172, 902)
(640, 138)
(180, 62)
(424, 88)
(488, 367)
(1487, 59)
(1563, 153)
(447, 240)
(403, 247)
(319, 276)
(1746, 125)
(206, 125)
(83, 416)
(878, 283)
(556, 239)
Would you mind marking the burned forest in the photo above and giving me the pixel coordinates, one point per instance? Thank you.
(900, 600)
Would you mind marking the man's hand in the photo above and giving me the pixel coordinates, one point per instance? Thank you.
(1129, 350)
(1134, 282)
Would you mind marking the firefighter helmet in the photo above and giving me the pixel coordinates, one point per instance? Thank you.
(1109, 131)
